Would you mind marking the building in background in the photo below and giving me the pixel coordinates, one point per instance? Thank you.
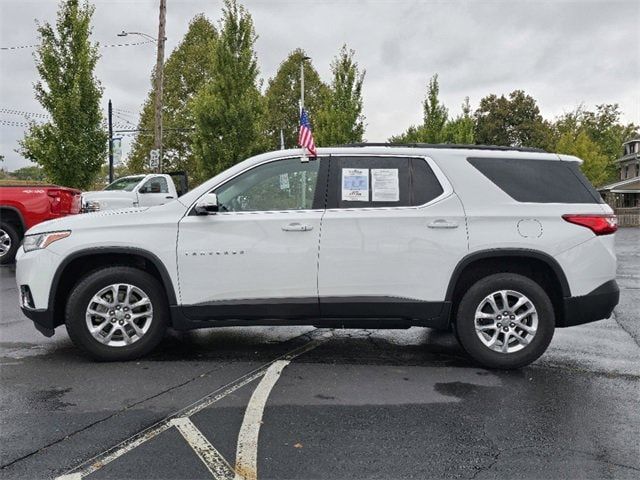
(624, 195)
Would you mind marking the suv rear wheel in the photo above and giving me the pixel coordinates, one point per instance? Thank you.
(117, 313)
(505, 321)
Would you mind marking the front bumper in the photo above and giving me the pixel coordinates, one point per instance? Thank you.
(34, 274)
(42, 320)
(596, 305)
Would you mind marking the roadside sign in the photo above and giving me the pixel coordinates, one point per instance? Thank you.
(117, 150)
(154, 158)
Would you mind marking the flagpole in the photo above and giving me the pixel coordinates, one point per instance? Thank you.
(302, 84)
(304, 59)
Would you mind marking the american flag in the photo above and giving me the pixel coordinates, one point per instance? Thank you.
(305, 138)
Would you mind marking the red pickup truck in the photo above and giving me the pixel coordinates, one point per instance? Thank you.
(23, 206)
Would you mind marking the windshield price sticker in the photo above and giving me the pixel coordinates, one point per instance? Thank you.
(385, 185)
(355, 184)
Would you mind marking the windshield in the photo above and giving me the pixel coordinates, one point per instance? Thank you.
(127, 184)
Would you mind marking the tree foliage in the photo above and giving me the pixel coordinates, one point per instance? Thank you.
(33, 173)
(435, 113)
(582, 146)
(461, 130)
(340, 119)
(227, 109)
(72, 145)
(434, 119)
(515, 121)
(603, 127)
(282, 96)
(189, 67)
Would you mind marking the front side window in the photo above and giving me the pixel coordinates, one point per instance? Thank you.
(288, 184)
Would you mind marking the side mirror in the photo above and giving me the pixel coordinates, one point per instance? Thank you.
(207, 204)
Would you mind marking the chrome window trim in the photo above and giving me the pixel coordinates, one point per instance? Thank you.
(440, 176)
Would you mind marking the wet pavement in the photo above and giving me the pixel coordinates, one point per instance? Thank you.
(326, 403)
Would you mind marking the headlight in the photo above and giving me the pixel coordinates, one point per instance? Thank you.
(43, 240)
(92, 206)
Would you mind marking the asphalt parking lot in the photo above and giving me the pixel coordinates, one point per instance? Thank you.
(308, 403)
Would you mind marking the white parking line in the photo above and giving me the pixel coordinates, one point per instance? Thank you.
(213, 460)
(247, 449)
(99, 461)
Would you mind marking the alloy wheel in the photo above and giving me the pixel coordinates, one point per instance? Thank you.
(119, 315)
(5, 243)
(506, 321)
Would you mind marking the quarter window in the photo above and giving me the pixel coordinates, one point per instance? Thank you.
(281, 185)
(538, 181)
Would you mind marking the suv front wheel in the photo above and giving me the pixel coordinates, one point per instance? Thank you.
(505, 321)
(117, 313)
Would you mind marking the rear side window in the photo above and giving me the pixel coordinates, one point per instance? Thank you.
(538, 181)
(156, 185)
(424, 184)
(366, 182)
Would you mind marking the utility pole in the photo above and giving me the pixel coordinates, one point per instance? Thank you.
(157, 144)
(304, 59)
(110, 117)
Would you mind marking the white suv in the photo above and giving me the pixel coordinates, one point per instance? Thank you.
(502, 245)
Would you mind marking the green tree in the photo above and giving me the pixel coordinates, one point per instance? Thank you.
(340, 118)
(603, 127)
(434, 119)
(435, 113)
(227, 110)
(186, 71)
(72, 145)
(461, 130)
(582, 146)
(515, 121)
(33, 173)
(413, 134)
(281, 100)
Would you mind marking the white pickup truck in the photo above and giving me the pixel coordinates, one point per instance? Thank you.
(132, 191)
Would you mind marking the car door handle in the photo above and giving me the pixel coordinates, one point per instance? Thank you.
(296, 227)
(168, 196)
(442, 223)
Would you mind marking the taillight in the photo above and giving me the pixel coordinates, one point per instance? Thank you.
(600, 224)
(55, 200)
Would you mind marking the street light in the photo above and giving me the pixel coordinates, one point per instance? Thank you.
(157, 142)
(145, 35)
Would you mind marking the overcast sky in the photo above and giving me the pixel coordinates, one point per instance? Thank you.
(563, 53)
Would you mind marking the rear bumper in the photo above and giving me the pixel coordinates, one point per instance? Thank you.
(596, 305)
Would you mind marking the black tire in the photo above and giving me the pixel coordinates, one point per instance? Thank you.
(14, 239)
(90, 285)
(465, 321)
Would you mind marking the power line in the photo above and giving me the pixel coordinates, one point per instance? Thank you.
(123, 118)
(109, 45)
(122, 110)
(13, 111)
(21, 47)
(131, 44)
(13, 123)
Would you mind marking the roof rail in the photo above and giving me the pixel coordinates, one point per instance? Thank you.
(445, 145)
